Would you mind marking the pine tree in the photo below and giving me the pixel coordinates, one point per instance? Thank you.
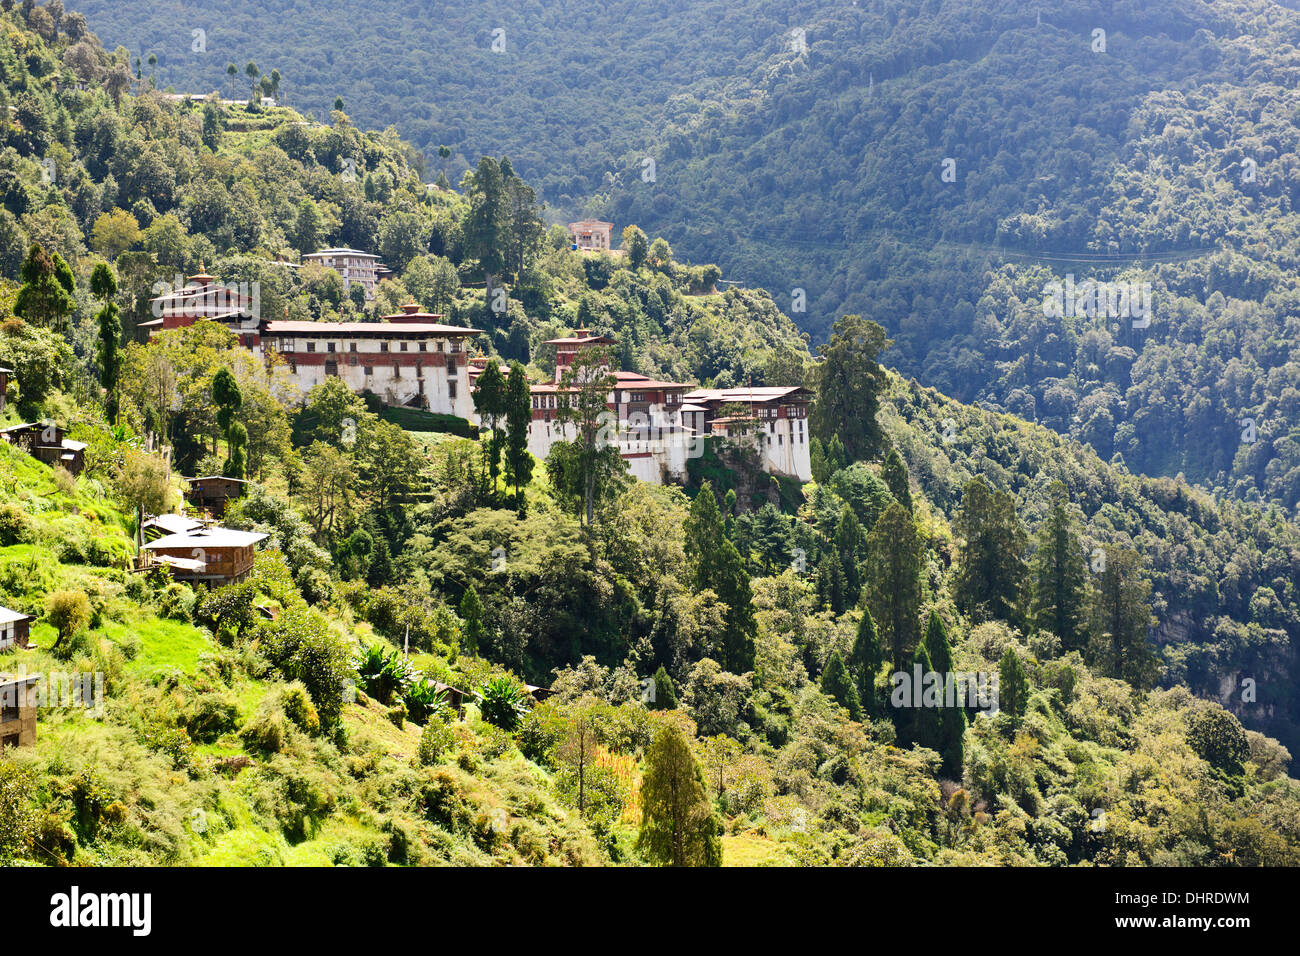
(850, 543)
(952, 720)
(678, 826)
(714, 563)
(471, 614)
(896, 479)
(229, 400)
(1013, 685)
(894, 582)
(108, 346)
(831, 586)
(665, 692)
(865, 661)
(1059, 577)
(491, 403)
(849, 383)
(519, 414)
(1121, 614)
(936, 643)
(990, 568)
(921, 724)
(837, 685)
(46, 296)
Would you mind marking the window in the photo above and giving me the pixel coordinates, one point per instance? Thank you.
(455, 346)
(9, 703)
(352, 360)
(293, 366)
(403, 346)
(424, 346)
(288, 345)
(352, 346)
(329, 347)
(331, 368)
(451, 389)
(311, 346)
(383, 346)
(397, 370)
(441, 343)
(10, 741)
(451, 369)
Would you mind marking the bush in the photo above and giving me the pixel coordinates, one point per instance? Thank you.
(435, 741)
(299, 708)
(211, 715)
(268, 730)
(503, 703)
(177, 602)
(16, 525)
(67, 612)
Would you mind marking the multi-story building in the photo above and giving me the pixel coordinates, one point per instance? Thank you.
(592, 235)
(203, 297)
(352, 264)
(773, 418)
(405, 359)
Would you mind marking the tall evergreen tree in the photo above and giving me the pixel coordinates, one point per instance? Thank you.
(665, 691)
(1013, 685)
(1121, 615)
(519, 413)
(472, 631)
(952, 720)
(838, 685)
(991, 567)
(714, 563)
(920, 723)
(849, 383)
(894, 582)
(1059, 577)
(865, 660)
(678, 826)
(46, 296)
(896, 478)
(485, 229)
(108, 345)
(850, 544)
(492, 405)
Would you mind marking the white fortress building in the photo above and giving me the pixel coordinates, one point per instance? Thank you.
(405, 359)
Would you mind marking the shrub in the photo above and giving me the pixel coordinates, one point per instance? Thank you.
(299, 708)
(435, 741)
(16, 526)
(268, 729)
(503, 702)
(67, 612)
(211, 715)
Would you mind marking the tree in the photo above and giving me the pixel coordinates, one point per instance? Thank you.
(214, 124)
(894, 581)
(718, 753)
(1218, 738)
(714, 564)
(678, 826)
(849, 383)
(920, 723)
(236, 465)
(115, 232)
(865, 660)
(582, 400)
(578, 750)
(145, 483)
(992, 541)
(229, 399)
(471, 613)
(837, 685)
(253, 73)
(952, 720)
(389, 463)
(1059, 578)
(1121, 615)
(1013, 685)
(67, 612)
(850, 545)
(490, 401)
(103, 285)
(46, 297)
(485, 229)
(232, 71)
(665, 693)
(896, 479)
(519, 415)
(636, 248)
(308, 227)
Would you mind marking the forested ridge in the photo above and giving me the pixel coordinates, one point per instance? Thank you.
(724, 657)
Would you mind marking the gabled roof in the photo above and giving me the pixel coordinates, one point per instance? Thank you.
(8, 616)
(173, 523)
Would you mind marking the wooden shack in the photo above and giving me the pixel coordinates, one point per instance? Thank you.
(15, 628)
(18, 704)
(45, 442)
(212, 555)
(213, 493)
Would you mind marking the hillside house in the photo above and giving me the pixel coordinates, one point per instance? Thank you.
(213, 493)
(45, 442)
(592, 235)
(14, 628)
(203, 297)
(352, 264)
(160, 526)
(773, 418)
(18, 704)
(212, 555)
(5, 375)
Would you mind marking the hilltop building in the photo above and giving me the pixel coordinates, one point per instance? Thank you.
(353, 265)
(592, 235)
(203, 297)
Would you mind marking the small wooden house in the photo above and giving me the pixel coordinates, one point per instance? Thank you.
(14, 628)
(5, 375)
(18, 703)
(46, 442)
(212, 555)
(160, 526)
(213, 492)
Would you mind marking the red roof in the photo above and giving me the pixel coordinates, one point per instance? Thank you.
(285, 327)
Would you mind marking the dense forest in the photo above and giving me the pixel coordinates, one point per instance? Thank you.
(933, 166)
(728, 660)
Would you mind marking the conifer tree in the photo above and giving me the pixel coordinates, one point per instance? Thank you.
(920, 723)
(894, 582)
(471, 614)
(864, 662)
(849, 382)
(491, 403)
(46, 296)
(952, 720)
(1059, 577)
(1121, 614)
(678, 825)
(519, 413)
(896, 479)
(850, 543)
(1013, 685)
(108, 346)
(837, 685)
(665, 692)
(990, 568)
(714, 563)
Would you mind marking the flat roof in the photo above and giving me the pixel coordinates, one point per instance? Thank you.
(767, 393)
(341, 252)
(342, 329)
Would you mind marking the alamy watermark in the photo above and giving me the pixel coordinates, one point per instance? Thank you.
(977, 690)
(1093, 299)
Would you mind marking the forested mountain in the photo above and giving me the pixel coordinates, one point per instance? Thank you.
(1159, 149)
(724, 656)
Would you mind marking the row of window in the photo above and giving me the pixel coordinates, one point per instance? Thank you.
(289, 345)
